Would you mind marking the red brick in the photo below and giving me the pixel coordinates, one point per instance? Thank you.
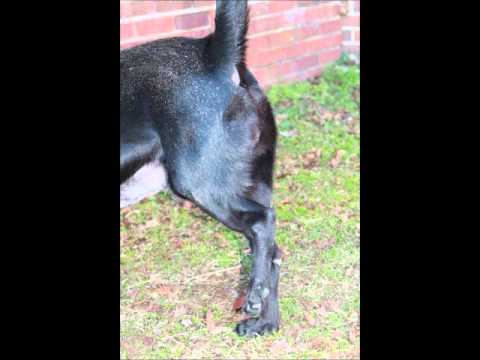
(306, 62)
(191, 21)
(280, 6)
(125, 10)
(257, 9)
(166, 6)
(321, 12)
(330, 26)
(197, 33)
(202, 3)
(270, 8)
(310, 73)
(322, 43)
(302, 75)
(263, 75)
(155, 26)
(351, 21)
(126, 31)
(142, 7)
(264, 42)
(305, 3)
(267, 24)
(131, 44)
(299, 50)
(297, 16)
(305, 32)
(262, 58)
(317, 29)
(293, 52)
(259, 42)
(329, 56)
(211, 18)
(281, 38)
(283, 69)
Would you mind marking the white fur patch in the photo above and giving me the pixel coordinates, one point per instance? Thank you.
(235, 77)
(148, 180)
(277, 261)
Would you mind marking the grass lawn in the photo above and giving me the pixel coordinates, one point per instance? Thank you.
(181, 271)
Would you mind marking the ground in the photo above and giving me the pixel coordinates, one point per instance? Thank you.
(182, 273)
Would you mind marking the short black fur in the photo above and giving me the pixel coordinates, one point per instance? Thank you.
(181, 106)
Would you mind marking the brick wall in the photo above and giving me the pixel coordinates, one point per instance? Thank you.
(288, 39)
(351, 28)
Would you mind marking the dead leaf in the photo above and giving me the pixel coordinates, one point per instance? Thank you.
(311, 159)
(132, 293)
(324, 244)
(352, 335)
(322, 310)
(187, 205)
(336, 160)
(336, 334)
(221, 329)
(209, 321)
(177, 243)
(310, 319)
(332, 305)
(239, 302)
(148, 340)
(151, 223)
(126, 222)
(164, 290)
(179, 311)
(349, 271)
(152, 307)
(280, 346)
(319, 343)
(140, 240)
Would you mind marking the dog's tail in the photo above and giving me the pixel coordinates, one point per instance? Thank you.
(227, 45)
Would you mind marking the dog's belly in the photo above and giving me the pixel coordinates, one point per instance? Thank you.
(147, 181)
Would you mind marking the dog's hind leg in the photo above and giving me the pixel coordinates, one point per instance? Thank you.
(257, 223)
(270, 317)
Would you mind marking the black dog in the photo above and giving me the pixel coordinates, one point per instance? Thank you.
(192, 116)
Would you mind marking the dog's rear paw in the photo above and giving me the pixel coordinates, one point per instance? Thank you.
(255, 327)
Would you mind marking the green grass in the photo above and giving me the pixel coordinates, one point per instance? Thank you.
(177, 264)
